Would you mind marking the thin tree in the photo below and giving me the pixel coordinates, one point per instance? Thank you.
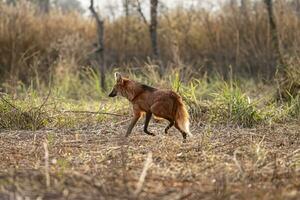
(11, 2)
(44, 6)
(274, 32)
(287, 87)
(126, 7)
(126, 4)
(296, 5)
(100, 44)
(275, 44)
(152, 26)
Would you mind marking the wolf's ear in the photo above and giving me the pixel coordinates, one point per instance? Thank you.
(118, 77)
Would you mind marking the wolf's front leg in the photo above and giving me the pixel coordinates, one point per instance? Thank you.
(135, 118)
(147, 120)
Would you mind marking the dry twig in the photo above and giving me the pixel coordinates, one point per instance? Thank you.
(45, 144)
(92, 113)
(147, 165)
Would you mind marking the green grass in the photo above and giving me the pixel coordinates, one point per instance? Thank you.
(232, 106)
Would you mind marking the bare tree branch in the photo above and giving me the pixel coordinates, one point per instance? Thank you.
(139, 9)
(100, 46)
(92, 113)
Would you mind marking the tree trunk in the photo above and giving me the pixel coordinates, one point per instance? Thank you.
(244, 6)
(153, 28)
(287, 87)
(153, 35)
(297, 6)
(44, 6)
(100, 49)
(126, 27)
(126, 7)
(11, 2)
(274, 33)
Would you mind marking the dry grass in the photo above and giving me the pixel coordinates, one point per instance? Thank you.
(218, 163)
(34, 46)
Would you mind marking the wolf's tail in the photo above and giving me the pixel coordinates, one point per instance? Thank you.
(182, 118)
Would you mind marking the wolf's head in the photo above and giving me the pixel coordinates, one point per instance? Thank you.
(123, 87)
(127, 88)
(118, 85)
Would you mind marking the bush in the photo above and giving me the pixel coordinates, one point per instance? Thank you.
(289, 80)
(23, 116)
(230, 105)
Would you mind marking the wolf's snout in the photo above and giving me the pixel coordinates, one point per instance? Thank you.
(112, 94)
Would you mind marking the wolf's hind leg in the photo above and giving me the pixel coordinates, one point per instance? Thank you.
(183, 133)
(169, 126)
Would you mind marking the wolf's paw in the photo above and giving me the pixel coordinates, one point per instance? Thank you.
(149, 133)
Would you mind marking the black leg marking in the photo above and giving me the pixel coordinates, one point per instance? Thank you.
(184, 134)
(169, 126)
(147, 120)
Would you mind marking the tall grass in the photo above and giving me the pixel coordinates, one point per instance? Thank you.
(231, 106)
(38, 45)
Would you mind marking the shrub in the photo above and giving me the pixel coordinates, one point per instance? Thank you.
(230, 105)
(289, 80)
(23, 116)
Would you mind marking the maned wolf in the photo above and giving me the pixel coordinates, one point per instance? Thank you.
(145, 99)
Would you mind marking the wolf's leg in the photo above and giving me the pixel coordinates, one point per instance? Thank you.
(184, 134)
(169, 126)
(147, 120)
(135, 118)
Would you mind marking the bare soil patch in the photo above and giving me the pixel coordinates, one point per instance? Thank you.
(97, 163)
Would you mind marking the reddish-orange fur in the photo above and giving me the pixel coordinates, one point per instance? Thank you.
(145, 99)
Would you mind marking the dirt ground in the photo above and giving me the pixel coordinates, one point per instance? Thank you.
(219, 162)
